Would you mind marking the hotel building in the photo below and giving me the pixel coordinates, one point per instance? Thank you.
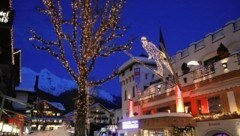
(209, 74)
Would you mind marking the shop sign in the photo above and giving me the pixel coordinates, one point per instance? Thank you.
(130, 124)
(214, 124)
(6, 18)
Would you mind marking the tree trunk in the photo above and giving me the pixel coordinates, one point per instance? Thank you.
(81, 106)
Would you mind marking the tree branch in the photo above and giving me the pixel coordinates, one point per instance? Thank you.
(99, 82)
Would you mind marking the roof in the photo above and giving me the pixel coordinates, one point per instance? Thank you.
(98, 104)
(57, 105)
(131, 62)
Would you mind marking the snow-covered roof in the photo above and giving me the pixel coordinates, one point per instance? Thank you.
(57, 105)
(27, 81)
(98, 104)
(69, 114)
(132, 61)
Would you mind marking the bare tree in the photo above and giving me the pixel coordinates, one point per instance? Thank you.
(94, 27)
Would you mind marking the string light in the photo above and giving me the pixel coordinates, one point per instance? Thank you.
(94, 28)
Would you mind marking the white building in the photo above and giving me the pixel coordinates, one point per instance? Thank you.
(210, 90)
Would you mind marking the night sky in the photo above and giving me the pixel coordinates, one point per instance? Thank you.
(182, 22)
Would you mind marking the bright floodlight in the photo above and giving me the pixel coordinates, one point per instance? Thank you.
(192, 63)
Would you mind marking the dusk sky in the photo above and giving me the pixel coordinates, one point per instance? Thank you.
(182, 22)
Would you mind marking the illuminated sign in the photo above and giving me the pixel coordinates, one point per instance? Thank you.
(6, 18)
(130, 124)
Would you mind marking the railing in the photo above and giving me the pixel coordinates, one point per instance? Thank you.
(203, 71)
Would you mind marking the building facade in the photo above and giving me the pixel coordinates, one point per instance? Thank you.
(46, 116)
(209, 74)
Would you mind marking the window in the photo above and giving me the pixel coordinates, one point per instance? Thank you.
(130, 68)
(145, 87)
(185, 80)
(123, 73)
(125, 95)
(159, 88)
(210, 105)
(238, 58)
(187, 107)
(133, 91)
(146, 76)
(153, 76)
(214, 105)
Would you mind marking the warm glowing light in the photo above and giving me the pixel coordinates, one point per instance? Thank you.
(179, 99)
(130, 108)
(193, 63)
(204, 106)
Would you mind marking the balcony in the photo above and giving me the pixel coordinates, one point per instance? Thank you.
(195, 76)
(202, 73)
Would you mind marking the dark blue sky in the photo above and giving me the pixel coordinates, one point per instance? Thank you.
(182, 22)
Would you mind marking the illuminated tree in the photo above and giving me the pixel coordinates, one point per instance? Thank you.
(87, 32)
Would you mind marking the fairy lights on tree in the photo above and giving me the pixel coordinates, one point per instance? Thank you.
(94, 27)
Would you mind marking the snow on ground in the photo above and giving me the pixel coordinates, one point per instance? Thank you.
(59, 132)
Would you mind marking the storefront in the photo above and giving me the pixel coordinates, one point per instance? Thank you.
(161, 124)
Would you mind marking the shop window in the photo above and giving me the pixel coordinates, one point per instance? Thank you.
(210, 105)
(215, 105)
